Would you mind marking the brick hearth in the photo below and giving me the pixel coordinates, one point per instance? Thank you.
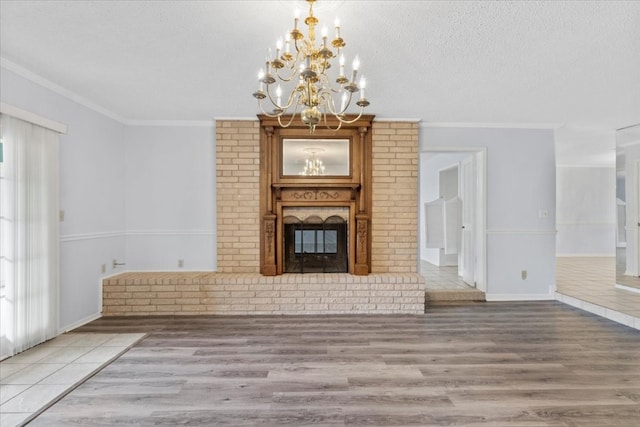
(252, 293)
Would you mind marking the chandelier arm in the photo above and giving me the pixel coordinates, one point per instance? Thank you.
(326, 124)
(268, 114)
(326, 83)
(332, 89)
(354, 120)
(276, 113)
(281, 107)
(294, 72)
(330, 103)
(288, 123)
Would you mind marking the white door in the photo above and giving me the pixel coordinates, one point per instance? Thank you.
(467, 258)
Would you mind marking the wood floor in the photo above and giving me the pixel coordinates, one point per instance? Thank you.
(492, 364)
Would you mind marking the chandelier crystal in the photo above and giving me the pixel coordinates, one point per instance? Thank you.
(302, 67)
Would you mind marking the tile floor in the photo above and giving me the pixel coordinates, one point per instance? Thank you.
(589, 283)
(441, 278)
(36, 378)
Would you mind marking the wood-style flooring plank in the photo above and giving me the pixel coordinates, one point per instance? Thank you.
(537, 364)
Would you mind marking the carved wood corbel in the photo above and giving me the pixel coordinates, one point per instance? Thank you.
(362, 246)
(269, 268)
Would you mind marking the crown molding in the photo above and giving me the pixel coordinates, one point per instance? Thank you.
(48, 84)
(34, 118)
(243, 119)
(393, 119)
(81, 100)
(489, 125)
(176, 123)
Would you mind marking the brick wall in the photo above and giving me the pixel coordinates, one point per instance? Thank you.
(237, 198)
(394, 194)
(395, 157)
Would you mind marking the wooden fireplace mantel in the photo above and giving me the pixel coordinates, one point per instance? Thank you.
(351, 190)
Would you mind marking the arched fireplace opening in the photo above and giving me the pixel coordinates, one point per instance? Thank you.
(315, 245)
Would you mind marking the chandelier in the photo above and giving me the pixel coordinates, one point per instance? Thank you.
(304, 71)
(313, 166)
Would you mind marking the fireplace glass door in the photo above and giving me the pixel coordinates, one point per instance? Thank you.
(315, 246)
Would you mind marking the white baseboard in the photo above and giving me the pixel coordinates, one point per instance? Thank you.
(616, 316)
(519, 297)
(608, 255)
(79, 323)
(627, 288)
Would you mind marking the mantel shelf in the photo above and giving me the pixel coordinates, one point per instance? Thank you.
(312, 185)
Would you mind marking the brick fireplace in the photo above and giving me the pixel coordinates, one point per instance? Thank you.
(385, 280)
(394, 196)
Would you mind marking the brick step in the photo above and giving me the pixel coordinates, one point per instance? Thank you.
(453, 296)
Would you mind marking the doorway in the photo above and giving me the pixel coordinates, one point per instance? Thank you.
(467, 266)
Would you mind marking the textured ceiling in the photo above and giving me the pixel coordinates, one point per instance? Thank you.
(574, 64)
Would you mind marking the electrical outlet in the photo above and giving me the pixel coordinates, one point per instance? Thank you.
(180, 263)
(103, 268)
(524, 274)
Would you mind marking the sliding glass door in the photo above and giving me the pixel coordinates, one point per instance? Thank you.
(28, 235)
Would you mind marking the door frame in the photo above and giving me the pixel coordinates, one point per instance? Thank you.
(635, 222)
(468, 239)
(480, 157)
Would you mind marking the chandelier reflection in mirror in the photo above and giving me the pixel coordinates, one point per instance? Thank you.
(313, 166)
(304, 72)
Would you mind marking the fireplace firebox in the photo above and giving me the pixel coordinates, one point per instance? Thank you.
(315, 245)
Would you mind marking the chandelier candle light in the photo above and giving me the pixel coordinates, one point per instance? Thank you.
(305, 72)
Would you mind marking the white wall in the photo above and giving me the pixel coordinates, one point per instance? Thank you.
(170, 197)
(586, 211)
(520, 184)
(142, 195)
(91, 192)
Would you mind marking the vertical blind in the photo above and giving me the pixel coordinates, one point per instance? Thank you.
(29, 281)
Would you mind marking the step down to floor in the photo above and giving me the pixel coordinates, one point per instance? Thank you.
(452, 296)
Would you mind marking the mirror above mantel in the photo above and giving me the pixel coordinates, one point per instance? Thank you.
(316, 157)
